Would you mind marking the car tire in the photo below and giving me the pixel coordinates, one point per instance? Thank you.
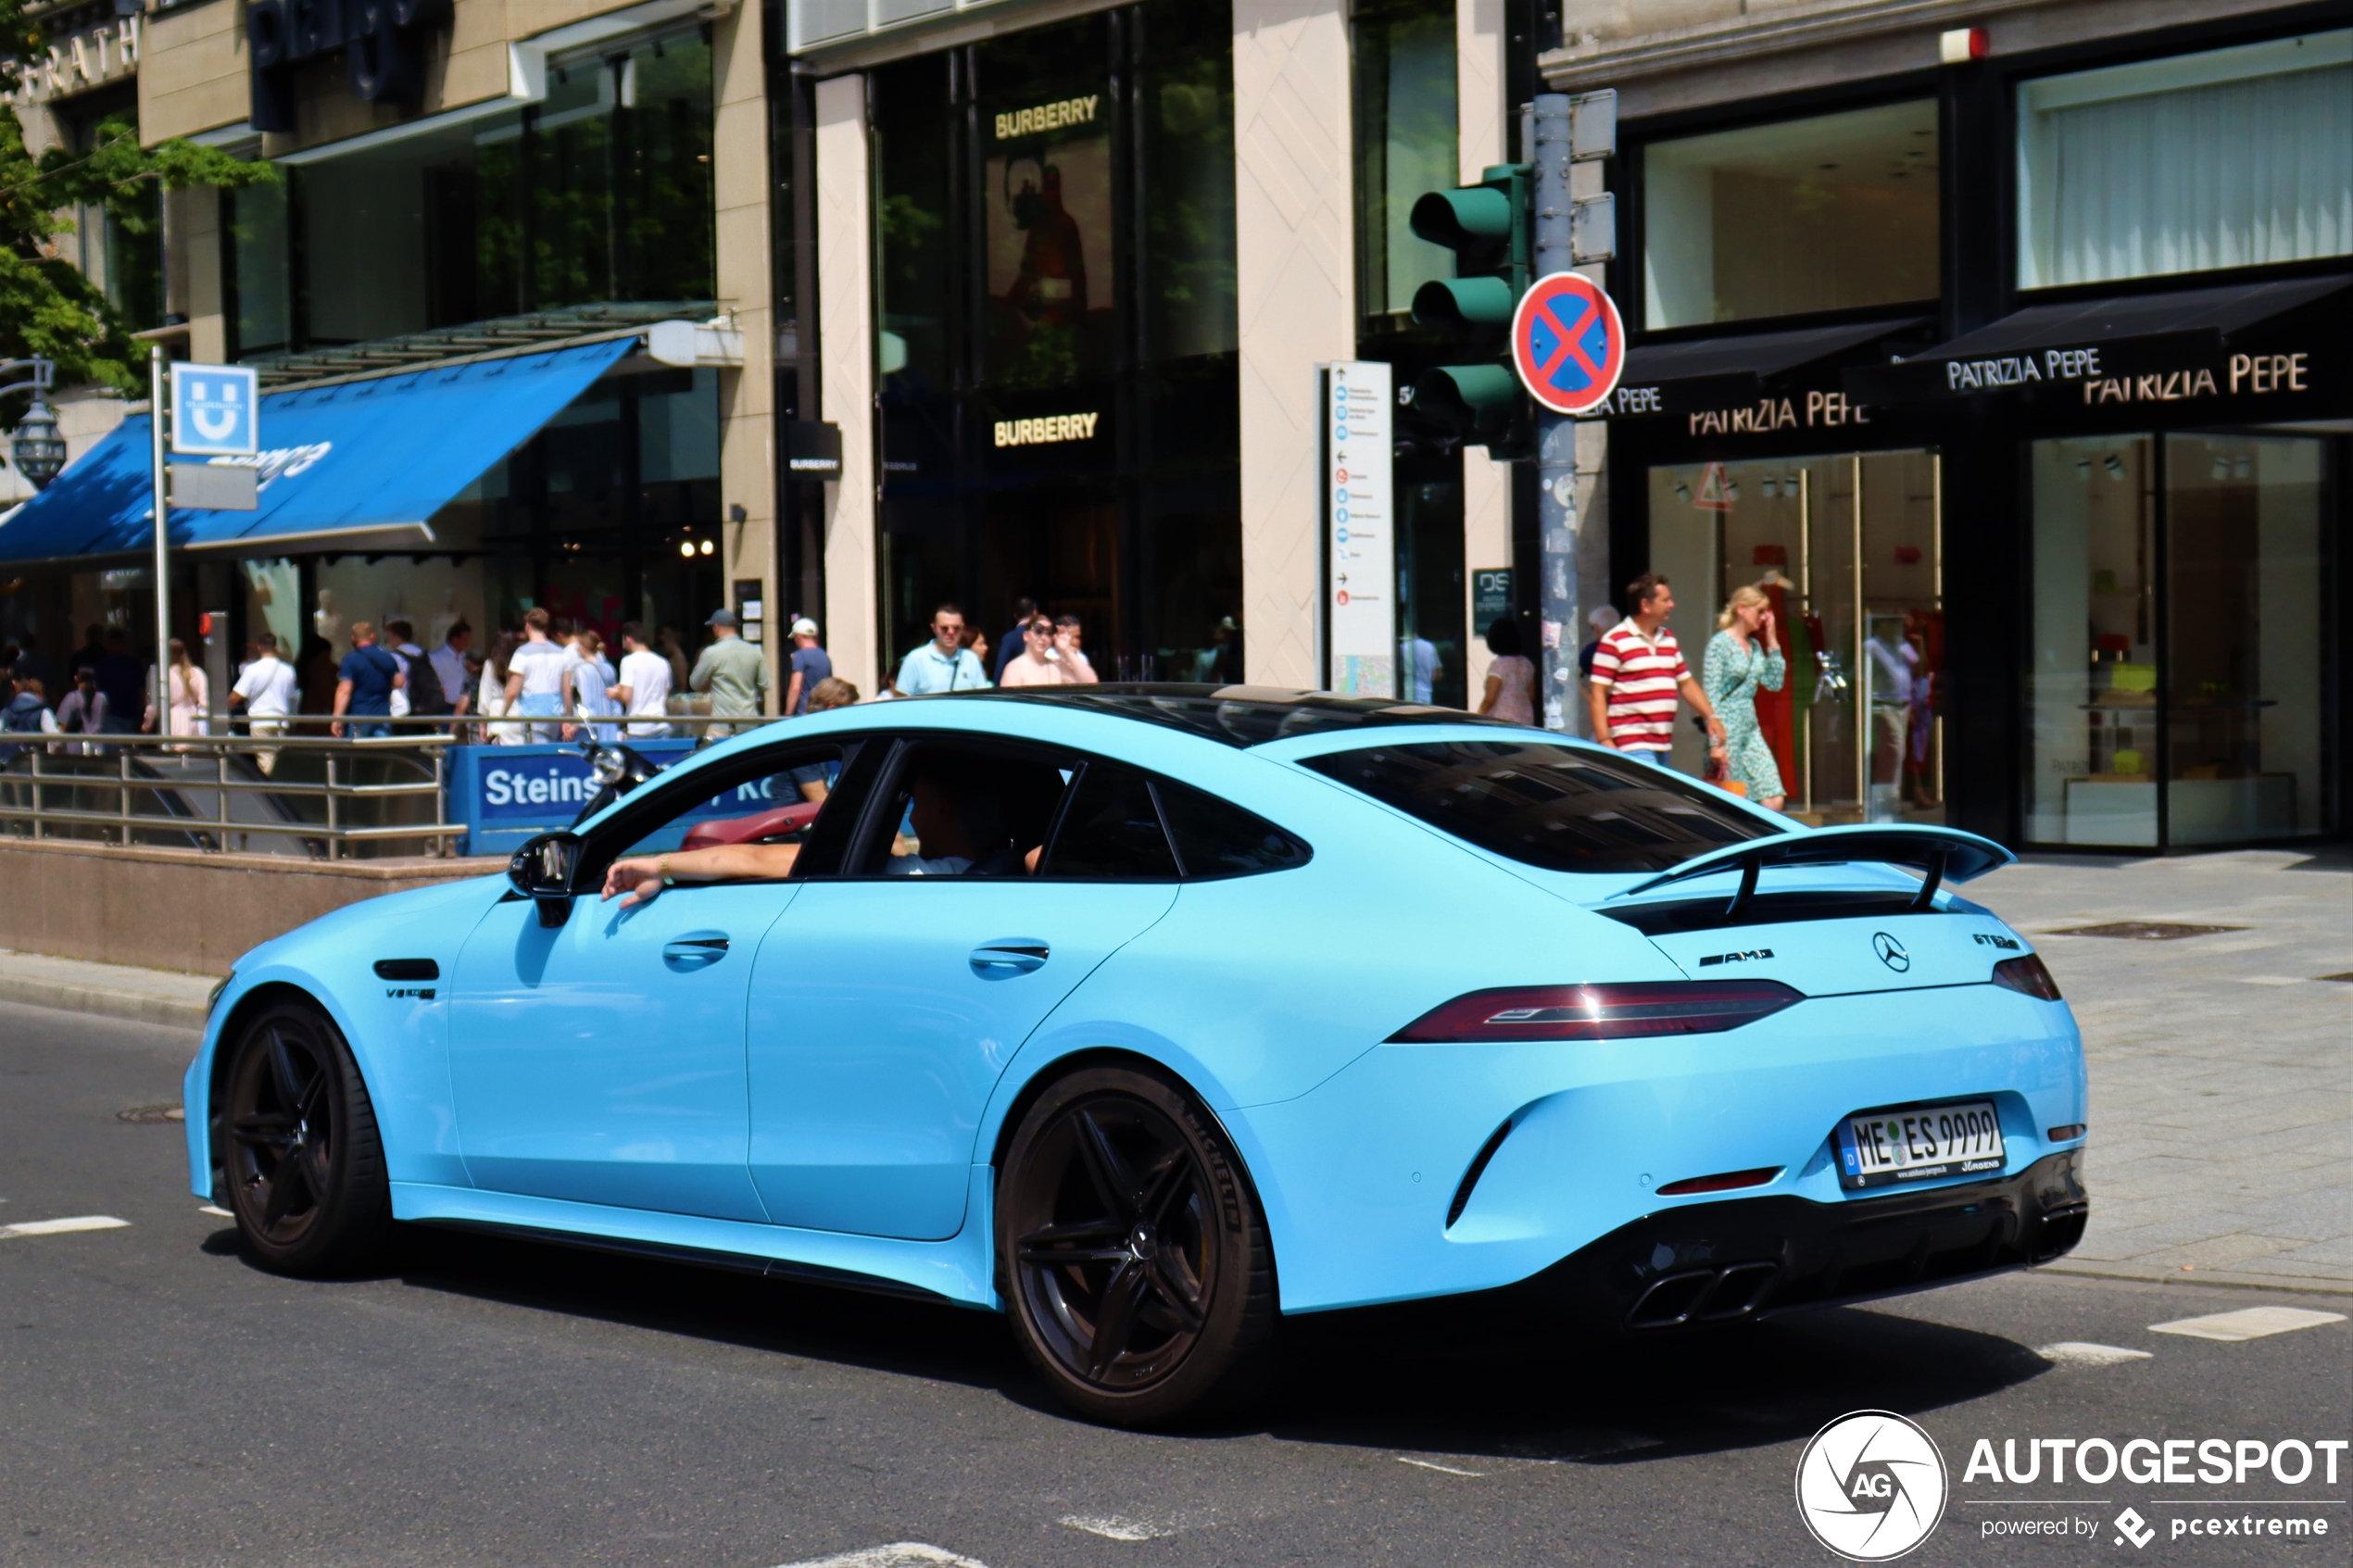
(1132, 1255)
(304, 1161)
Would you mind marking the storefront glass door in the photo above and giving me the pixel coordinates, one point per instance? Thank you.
(1848, 548)
(2176, 694)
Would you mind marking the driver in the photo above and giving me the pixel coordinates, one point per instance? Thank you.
(959, 823)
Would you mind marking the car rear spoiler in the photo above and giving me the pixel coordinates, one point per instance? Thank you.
(1942, 854)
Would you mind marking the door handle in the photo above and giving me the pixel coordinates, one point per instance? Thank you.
(1002, 961)
(694, 952)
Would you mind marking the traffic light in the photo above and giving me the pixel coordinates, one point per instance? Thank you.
(1487, 226)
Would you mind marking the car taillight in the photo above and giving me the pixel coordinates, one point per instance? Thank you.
(1598, 1013)
(2027, 975)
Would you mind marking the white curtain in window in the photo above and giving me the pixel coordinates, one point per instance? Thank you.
(2232, 174)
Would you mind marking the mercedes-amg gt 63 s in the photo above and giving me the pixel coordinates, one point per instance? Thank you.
(1148, 1015)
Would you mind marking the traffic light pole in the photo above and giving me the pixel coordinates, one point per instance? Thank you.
(1560, 592)
(159, 475)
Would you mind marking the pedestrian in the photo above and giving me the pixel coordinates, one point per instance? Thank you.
(976, 643)
(266, 688)
(30, 664)
(1038, 664)
(124, 680)
(1070, 633)
(812, 666)
(188, 695)
(83, 711)
(1418, 657)
(1638, 671)
(364, 683)
(588, 684)
(315, 672)
(1735, 668)
(449, 668)
(666, 643)
(536, 678)
(1009, 646)
(1511, 680)
(944, 664)
(644, 688)
(26, 714)
(1601, 619)
(491, 700)
(428, 698)
(732, 672)
(93, 648)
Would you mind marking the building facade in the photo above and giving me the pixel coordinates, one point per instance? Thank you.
(2003, 345)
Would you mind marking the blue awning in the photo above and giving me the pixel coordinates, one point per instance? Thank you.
(374, 458)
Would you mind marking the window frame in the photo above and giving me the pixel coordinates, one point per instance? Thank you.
(657, 802)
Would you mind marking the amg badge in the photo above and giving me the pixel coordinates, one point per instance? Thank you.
(1736, 958)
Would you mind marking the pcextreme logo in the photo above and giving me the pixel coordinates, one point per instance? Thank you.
(1871, 1486)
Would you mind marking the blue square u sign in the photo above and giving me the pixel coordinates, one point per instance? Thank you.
(214, 411)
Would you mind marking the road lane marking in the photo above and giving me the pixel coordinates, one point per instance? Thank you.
(2079, 1352)
(898, 1554)
(61, 1227)
(214, 1208)
(1114, 1528)
(2249, 1322)
(1443, 1469)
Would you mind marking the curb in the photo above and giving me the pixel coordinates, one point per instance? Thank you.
(135, 1007)
(2143, 1273)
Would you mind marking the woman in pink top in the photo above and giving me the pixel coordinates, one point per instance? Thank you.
(1511, 680)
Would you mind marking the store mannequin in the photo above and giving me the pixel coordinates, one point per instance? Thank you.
(445, 617)
(325, 621)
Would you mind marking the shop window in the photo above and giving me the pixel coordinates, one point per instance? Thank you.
(914, 231)
(1406, 145)
(1833, 213)
(1186, 88)
(600, 194)
(123, 258)
(261, 300)
(2175, 692)
(2236, 157)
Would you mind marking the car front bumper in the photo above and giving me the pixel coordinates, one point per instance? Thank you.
(1751, 1258)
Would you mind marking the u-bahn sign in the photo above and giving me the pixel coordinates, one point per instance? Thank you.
(1568, 342)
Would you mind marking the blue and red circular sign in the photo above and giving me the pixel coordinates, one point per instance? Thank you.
(1567, 344)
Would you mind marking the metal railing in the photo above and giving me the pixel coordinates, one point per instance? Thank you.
(304, 793)
(301, 795)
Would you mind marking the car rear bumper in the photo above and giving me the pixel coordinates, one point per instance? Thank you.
(1751, 1258)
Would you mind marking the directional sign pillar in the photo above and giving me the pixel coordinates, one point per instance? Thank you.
(1556, 442)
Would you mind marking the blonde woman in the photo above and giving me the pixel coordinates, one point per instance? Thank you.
(1745, 654)
(190, 699)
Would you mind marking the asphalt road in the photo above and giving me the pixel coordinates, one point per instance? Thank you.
(162, 1402)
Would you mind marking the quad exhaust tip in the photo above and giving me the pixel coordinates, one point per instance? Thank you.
(1704, 1295)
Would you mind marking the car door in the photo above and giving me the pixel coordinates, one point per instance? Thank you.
(884, 1006)
(602, 1060)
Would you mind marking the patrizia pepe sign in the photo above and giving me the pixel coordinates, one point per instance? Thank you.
(2159, 370)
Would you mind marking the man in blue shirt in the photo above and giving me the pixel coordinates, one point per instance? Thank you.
(811, 665)
(942, 665)
(364, 685)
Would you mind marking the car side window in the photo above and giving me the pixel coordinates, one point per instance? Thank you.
(1111, 829)
(960, 808)
(1217, 838)
(776, 800)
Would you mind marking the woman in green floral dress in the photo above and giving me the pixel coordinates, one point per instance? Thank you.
(1743, 656)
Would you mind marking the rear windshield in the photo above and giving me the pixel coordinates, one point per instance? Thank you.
(1557, 807)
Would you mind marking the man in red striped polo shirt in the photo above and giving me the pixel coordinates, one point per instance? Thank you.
(1638, 669)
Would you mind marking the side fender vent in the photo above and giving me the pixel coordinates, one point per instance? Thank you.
(1477, 1169)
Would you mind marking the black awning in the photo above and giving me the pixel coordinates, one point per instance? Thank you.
(2067, 344)
(1661, 378)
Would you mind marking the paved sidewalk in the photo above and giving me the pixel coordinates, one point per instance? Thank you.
(2222, 1143)
(145, 995)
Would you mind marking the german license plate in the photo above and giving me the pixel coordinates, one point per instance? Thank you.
(1889, 1148)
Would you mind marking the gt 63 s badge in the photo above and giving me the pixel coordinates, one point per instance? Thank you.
(1870, 1485)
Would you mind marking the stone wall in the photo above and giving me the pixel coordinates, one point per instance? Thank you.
(180, 909)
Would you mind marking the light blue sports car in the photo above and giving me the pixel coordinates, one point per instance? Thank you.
(1149, 1014)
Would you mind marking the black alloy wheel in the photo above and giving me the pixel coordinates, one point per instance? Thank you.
(297, 1138)
(1132, 1256)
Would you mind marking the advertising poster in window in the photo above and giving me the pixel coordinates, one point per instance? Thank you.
(1047, 193)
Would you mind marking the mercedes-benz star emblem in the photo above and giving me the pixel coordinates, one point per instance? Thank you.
(1890, 952)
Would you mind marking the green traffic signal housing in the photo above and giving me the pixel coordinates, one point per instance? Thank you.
(1487, 226)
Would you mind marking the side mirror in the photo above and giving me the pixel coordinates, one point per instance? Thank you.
(542, 870)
